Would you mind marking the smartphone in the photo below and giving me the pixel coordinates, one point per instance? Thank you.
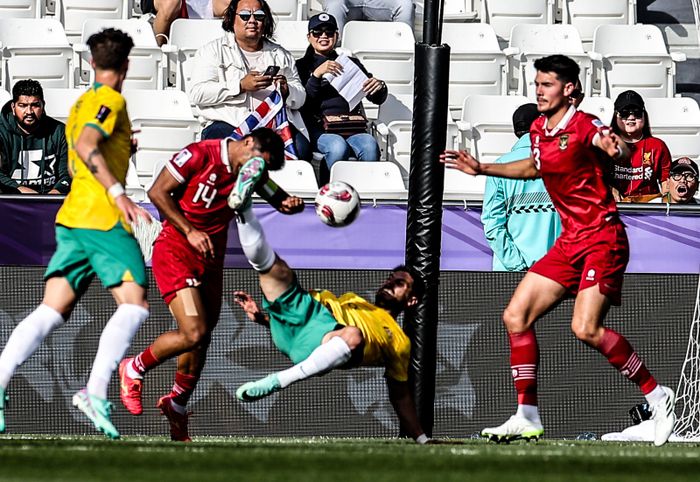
(272, 70)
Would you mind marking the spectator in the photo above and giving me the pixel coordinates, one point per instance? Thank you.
(645, 175)
(682, 183)
(322, 98)
(227, 82)
(167, 11)
(33, 150)
(519, 219)
(378, 10)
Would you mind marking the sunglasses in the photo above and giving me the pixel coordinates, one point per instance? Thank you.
(688, 176)
(636, 113)
(317, 33)
(245, 15)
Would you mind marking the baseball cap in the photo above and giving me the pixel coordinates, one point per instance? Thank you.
(683, 164)
(321, 20)
(523, 117)
(629, 99)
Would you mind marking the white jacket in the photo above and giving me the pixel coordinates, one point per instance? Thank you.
(215, 87)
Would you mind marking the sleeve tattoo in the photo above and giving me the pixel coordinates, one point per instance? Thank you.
(88, 162)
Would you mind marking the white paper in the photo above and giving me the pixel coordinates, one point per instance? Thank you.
(349, 83)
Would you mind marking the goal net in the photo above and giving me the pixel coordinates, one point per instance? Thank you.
(688, 392)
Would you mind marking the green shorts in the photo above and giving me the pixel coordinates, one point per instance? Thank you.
(114, 256)
(298, 322)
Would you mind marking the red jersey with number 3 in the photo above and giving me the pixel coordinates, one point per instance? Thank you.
(204, 171)
(573, 172)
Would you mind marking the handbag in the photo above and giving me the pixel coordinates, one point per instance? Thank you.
(345, 125)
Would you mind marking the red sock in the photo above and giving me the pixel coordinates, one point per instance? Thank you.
(183, 388)
(144, 361)
(524, 358)
(622, 356)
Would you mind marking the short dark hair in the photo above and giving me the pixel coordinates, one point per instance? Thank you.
(270, 142)
(566, 68)
(418, 289)
(28, 87)
(110, 48)
(230, 18)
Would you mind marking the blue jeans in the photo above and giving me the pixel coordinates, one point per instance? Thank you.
(336, 148)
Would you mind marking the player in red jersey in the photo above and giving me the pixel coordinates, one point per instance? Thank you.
(587, 261)
(196, 193)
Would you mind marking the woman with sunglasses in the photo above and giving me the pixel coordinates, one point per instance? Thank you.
(229, 79)
(322, 99)
(644, 176)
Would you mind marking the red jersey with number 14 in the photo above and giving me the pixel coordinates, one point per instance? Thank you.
(572, 170)
(204, 171)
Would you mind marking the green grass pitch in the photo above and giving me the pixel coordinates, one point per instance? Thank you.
(56, 459)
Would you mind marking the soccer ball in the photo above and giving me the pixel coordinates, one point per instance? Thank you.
(337, 204)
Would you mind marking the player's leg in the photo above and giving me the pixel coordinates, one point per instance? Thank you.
(334, 352)
(191, 363)
(249, 175)
(275, 275)
(535, 296)
(190, 314)
(116, 259)
(28, 335)
(67, 276)
(600, 287)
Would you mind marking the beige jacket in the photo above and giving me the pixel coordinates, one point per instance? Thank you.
(215, 87)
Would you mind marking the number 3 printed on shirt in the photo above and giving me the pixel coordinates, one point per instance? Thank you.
(536, 152)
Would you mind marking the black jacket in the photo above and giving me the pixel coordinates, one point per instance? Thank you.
(38, 160)
(321, 96)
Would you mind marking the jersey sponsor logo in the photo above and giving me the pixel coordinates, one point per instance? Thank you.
(212, 178)
(648, 172)
(182, 157)
(194, 282)
(590, 276)
(103, 113)
(563, 142)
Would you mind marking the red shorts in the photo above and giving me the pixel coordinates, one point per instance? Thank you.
(176, 265)
(600, 259)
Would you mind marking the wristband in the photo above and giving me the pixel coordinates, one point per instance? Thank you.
(422, 439)
(116, 190)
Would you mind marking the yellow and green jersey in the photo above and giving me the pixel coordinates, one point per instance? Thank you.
(385, 342)
(88, 205)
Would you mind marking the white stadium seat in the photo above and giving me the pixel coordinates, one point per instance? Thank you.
(186, 36)
(284, 10)
(166, 124)
(601, 107)
(21, 8)
(147, 63)
(677, 122)
(463, 187)
(60, 101)
(502, 15)
(635, 57)
(37, 49)
(486, 127)
(386, 49)
(454, 10)
(372, 180)
(477, 64)
(297, 178)
(4, 97)
(134, 188)
(74, 12)
(586, 15)
(530, 42)
(291, 35)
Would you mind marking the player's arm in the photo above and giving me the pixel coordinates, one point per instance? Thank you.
(161, 194)
(251, 309)
(611, 144)
(402, 401)
(87, 148)
(278, 198)
(465, 162)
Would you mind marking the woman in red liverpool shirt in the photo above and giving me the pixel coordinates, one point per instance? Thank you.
(644, 176)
